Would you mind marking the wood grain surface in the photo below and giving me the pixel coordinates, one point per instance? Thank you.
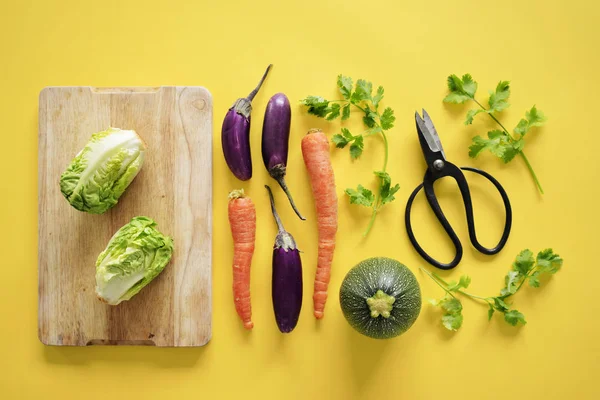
(174, 187)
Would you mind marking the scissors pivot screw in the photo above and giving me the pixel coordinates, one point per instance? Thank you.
(438, 164)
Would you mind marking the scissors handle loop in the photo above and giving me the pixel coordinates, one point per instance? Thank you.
(450, 169)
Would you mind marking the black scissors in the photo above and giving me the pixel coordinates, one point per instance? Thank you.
(438, 167)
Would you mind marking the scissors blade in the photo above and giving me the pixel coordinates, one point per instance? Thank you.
(428, 132)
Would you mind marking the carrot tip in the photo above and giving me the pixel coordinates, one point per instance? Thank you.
(237, 194)
(249, 325)
(319, 314)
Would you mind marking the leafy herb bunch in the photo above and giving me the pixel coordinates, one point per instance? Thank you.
(525, 268)
(360, 96)
(500, 142)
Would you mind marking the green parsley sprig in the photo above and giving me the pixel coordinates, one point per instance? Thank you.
(499, 142)
(361, 97)
(524, 269)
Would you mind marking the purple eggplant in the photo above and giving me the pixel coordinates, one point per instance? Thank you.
(235, 135)
(287, 276)
(275, 138)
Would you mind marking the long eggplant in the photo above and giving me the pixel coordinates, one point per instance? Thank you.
(235, 134)
(275, 139)
(287, 276)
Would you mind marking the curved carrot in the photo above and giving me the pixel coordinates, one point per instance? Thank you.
(315, 150)
(242, 219)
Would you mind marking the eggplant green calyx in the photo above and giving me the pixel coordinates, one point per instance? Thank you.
(380, 304)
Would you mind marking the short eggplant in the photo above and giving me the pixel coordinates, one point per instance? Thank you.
(275, 141)
(235, 134)
(287, 276)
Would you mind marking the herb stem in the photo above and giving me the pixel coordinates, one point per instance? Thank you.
(385, 143)
(486, 299)
(535, 178)
(359, 107)
(531, 171)
(494, 118)
(372, 221)
(435, 278)
(376, 204)
(524, 279)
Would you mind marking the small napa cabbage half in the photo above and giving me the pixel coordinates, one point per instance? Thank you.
(135, 255)
(100, 173)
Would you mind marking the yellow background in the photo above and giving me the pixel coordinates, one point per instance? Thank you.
(547, 49)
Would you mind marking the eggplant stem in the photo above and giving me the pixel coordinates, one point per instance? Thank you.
(274, 211)
(257, 88)
(283, 185)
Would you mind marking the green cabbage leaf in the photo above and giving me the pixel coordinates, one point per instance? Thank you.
(135, 255)
(100, 173)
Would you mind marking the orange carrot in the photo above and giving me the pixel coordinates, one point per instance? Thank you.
(315, 149)
(242, 219)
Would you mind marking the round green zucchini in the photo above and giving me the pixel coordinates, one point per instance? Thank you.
(380, 298)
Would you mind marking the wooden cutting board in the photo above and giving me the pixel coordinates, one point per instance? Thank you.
(174, 187)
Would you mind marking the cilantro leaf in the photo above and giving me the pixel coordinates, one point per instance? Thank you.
(334, 112)
(534, 279)
(387, 196)
(344, 84)
(463, 282)
(524, 262)
(385, 178)
(452, 322)
(316, 105)
(461, 90)
(522, 127)
(347, 134)
(514, 317)
(509, 152)
(498, 143)
(357, 147)
(478, 144)
(495, 143)
(548, 261)
(339, 141)
(498, 100)
(500, 305)
(374, 131)
(532, 118)
(361, 196)
(471, 114)
(451, 305)
(387, 119)
(346, 112)
(387, 191)
(378, 96)
(342, 140)
(512, 281)
(363, 89)
(370, 118)
(491, 312)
